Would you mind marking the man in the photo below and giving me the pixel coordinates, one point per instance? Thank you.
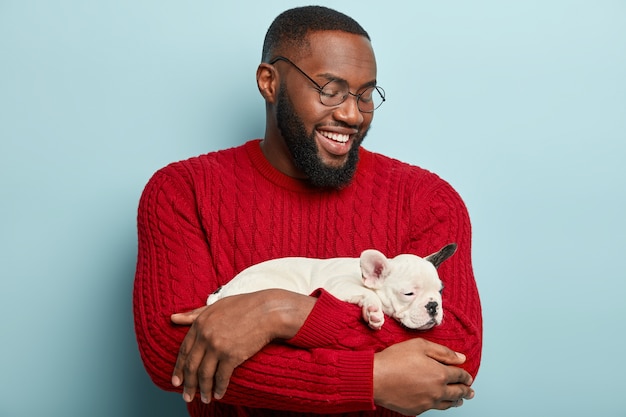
(307, 188)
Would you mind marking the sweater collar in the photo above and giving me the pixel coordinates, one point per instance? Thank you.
(261, 164)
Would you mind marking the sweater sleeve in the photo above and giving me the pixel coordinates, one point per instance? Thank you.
(438, 217)
(174, 273)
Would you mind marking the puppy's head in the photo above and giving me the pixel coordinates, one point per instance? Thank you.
(408, 285)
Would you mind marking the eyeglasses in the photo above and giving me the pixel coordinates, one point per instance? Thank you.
(335, 92)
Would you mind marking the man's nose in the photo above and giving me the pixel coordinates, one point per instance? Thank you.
(348, 111)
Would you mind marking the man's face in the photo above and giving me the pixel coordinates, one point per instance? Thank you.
(324, 141)
(305, 152)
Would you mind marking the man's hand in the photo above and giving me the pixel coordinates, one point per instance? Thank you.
(225, 334)
(417, 375)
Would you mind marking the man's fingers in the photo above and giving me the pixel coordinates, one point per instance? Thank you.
(454, 397)
(198, 358)
(206, 374)
(444, 355)
(183, 352)
(444, 405)
(187, 318)
(222, 379)
(190, 374)
(460, 376)
(187, 363)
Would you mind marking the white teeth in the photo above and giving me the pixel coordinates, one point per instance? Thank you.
(337, 137)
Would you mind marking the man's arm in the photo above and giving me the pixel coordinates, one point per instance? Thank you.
(437, 217)
(409, 377)
(174, 274)
(323, 380)
(219, 341)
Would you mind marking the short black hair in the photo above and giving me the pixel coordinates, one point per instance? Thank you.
(291, 27)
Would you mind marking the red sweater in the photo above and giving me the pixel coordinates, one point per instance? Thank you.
(203, 220)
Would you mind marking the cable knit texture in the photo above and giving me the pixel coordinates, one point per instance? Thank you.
(203, 220)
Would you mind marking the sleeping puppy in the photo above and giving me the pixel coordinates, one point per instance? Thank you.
(406, 287)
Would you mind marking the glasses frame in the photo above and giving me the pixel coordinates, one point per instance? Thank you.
(320, 88)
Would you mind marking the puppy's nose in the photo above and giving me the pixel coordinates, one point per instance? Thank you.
(431, 307)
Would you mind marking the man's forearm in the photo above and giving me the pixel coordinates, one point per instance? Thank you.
(288, 311)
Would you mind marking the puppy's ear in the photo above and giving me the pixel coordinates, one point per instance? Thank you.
(444, 253)
(374, 268)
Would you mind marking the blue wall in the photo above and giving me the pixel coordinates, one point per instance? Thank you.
(521, 105)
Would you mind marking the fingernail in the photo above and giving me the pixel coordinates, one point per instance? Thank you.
(460, 355)
(176, 381)
(187, 397)
(204, 398)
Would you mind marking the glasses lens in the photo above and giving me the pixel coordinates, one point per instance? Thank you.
(371, 99)
(334, 93)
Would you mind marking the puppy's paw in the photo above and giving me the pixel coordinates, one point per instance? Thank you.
(374, 317)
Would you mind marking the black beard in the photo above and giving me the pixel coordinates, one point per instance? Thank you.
(304, 149)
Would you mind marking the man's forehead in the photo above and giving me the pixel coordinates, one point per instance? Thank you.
(336, 40)
(336, 51)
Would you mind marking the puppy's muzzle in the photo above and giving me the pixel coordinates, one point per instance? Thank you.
(431, 308)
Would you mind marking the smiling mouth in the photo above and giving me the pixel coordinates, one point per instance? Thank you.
(337, 137)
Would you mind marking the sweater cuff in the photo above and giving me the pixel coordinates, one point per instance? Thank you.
(324, 323)
(357, 370)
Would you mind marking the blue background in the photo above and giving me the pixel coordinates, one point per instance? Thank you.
(520, 105)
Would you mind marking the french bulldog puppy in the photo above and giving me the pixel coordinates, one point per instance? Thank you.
(406, 287)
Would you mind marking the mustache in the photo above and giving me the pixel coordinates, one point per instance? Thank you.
(340, 124)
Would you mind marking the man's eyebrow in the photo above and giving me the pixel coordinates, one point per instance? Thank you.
(332, 77)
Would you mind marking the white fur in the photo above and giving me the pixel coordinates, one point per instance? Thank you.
(405, 287)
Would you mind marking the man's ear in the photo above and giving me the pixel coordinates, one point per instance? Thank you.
(267, 81)
(374, 268)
